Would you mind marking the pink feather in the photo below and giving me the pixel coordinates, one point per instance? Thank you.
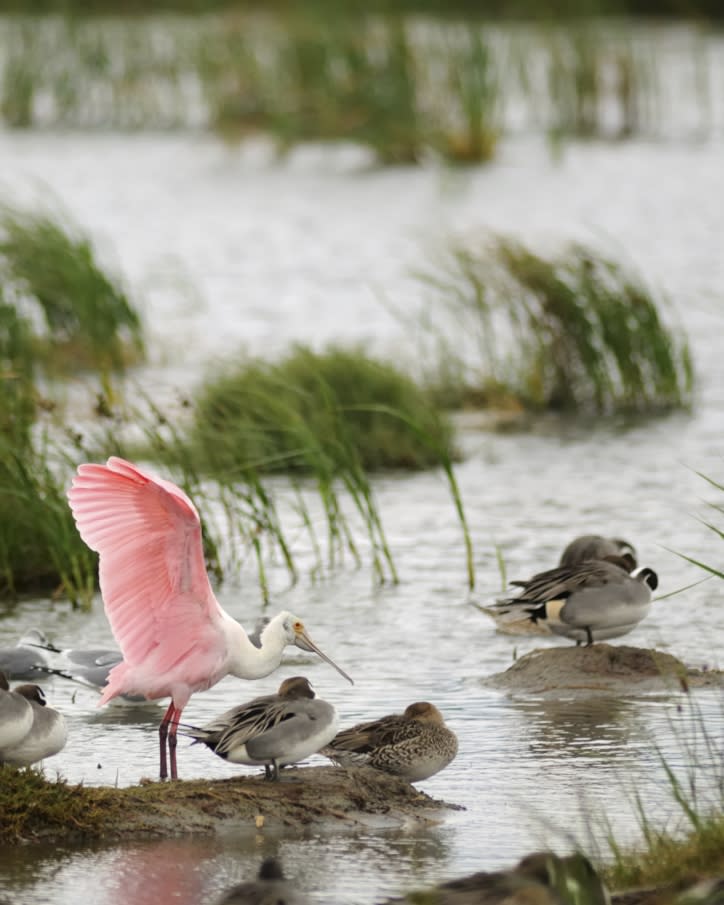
(153, 579)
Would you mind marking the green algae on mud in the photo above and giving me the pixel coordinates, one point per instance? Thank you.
(33, 809)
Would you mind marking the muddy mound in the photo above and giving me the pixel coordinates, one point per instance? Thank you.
(602, 668)
(34, 808)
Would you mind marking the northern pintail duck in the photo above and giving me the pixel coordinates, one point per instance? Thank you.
(593, 601)
(46, 736)
(595, 546)
(273, 730)
(270, 888)
(414, 745)
(538, 879)
(16, 715)
(581, 549)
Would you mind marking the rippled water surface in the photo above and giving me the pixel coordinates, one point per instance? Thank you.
(310, 249)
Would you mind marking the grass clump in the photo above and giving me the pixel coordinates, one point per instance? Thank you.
(332, 410)
(50, 271)
(40, 549)
(323, 421)
(576, 332)
(672, 859)
(33, 808)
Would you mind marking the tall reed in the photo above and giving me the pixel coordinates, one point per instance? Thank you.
(576, 332)
(51, 270)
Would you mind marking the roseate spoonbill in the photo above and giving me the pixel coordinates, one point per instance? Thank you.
(47, 733)
(592, 601)
(414, 745)
(174, 636)
(273, 730)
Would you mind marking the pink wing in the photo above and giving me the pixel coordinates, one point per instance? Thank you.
(152, 573)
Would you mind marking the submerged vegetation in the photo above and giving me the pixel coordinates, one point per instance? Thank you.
(576, 332)
(405, 88)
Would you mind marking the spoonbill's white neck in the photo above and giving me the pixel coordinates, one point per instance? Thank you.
(251, 662)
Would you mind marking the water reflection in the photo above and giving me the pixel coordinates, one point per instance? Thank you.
(584, 727)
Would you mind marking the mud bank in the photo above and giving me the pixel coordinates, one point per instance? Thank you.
(32, 808)
(601, 669)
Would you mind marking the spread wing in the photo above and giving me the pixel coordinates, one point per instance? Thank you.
(152, 571)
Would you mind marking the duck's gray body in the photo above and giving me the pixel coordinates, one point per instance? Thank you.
(272, 730)
(595, 546)
(414, 745)
(25, 660)
(16, 715)
(593, 601)
(586, 548)
(47, 734)
(270, 888)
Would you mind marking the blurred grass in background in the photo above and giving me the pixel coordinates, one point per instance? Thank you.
(408, 89)
(499, 9)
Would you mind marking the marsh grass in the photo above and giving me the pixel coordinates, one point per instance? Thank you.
(53, 280)
(575, 332)
(401, 86)
(694, 847)
(277, 461)
(40, 549)
(320, 423)
(334, 411)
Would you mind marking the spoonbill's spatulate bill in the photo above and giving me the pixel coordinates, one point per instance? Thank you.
(273, 730)
(174, 636)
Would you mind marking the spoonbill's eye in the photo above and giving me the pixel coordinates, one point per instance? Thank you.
(298, 626)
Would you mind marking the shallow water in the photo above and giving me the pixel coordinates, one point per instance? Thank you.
(302, 251)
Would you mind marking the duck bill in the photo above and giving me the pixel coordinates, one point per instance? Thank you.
(305, 643)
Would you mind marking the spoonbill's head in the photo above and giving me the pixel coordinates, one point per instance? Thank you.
(296, 634)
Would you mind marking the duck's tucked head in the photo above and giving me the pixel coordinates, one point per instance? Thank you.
(296, 687)
(32, 693)
(649, 577)
(424, 712)
(624, 561)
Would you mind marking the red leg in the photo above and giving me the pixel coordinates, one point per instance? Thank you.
(162, 735)
(172, 742)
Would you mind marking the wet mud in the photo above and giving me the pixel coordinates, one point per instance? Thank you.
(36, 809)
(601, 669)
